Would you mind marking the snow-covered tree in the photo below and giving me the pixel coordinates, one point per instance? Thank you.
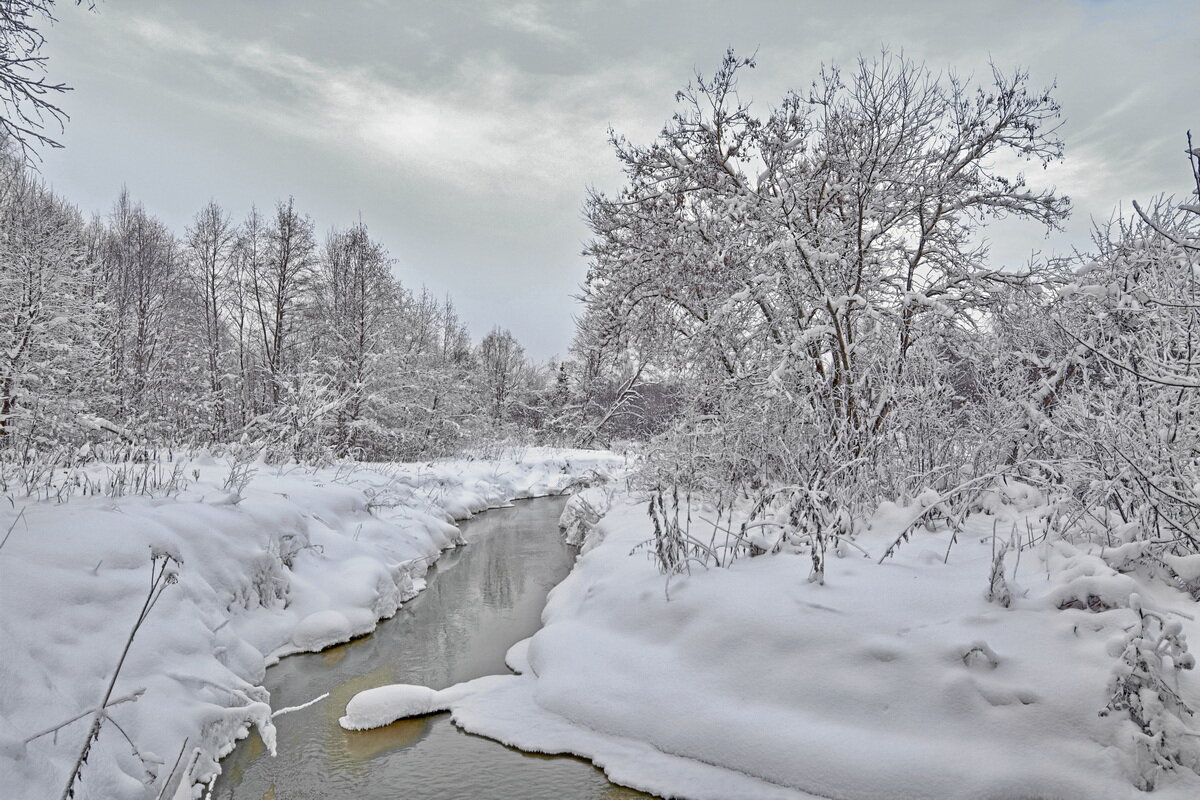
(149, 337)
(117, 329)
(209, 244)
(1117, 403)
(356, 301)
(823, 256)
(279, 281)
(503, 372)
(47, 322)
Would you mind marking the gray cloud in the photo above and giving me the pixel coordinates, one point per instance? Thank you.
(466, 133)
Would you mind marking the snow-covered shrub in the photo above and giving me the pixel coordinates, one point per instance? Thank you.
(1143, 686)
(672, 545)
(998, 589)
(223, 725)
(582, 511)
(241, 459)
(803, 519)
(61, 473)
(1112, 412)
(266, 585)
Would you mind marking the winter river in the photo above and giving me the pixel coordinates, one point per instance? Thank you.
(481, 599)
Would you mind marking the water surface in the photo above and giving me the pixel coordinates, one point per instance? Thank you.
(481, 599)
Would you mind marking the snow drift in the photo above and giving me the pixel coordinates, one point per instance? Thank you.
(297, 561)
(897, 679)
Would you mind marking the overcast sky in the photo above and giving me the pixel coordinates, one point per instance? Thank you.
(465, 133)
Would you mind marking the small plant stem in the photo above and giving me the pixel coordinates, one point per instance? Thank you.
(12, 527)
(158, 582)
(129, 698)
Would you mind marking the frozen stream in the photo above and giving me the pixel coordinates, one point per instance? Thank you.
(481, 599)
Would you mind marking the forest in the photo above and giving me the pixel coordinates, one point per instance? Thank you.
(122, 333)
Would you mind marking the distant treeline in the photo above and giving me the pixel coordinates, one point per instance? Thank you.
(259, 330)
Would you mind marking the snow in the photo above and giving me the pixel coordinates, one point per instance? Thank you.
(582, 511)
(320, 629)
(517, 657)
(386, 704)
(298, 560)
(896, 679)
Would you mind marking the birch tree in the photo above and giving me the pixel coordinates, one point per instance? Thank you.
(357, 301)
(141, 272)
(502, 372)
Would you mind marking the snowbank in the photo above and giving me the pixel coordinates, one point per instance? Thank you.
(896, 680)
(296, 561)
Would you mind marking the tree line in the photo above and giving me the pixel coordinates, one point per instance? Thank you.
(258, 330)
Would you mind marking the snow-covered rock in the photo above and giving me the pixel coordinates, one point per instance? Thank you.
(322, 629)
(384, 705)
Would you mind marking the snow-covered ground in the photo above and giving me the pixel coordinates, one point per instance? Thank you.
(898, 679)
(296, 561)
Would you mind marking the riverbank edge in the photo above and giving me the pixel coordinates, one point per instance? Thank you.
(296, 561)
(897, 677)
(505, 708)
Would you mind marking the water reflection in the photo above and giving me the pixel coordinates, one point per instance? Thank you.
(482, 599)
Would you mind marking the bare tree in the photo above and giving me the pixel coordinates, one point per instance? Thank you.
(141, 269)
(279, 284)
(25, 91)
(209, 244)
(503, 370)
(247, 262)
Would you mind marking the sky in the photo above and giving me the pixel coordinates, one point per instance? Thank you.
(466, 134)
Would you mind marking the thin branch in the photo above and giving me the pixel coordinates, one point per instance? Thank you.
(132, 697)
(290, 709)
(20, 514)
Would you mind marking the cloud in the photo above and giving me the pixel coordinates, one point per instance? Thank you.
(494, 127)
(467, 131)
(181, 40)
(530, 19)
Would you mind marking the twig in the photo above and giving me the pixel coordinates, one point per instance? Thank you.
(1189, 245)
(174, 766)
(17, 519)
(132, 697)
(290, 709)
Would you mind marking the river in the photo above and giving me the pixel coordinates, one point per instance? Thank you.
(481, 599)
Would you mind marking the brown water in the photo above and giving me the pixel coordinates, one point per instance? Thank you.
(481, 599)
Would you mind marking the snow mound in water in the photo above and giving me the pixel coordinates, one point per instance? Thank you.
(386, 704)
